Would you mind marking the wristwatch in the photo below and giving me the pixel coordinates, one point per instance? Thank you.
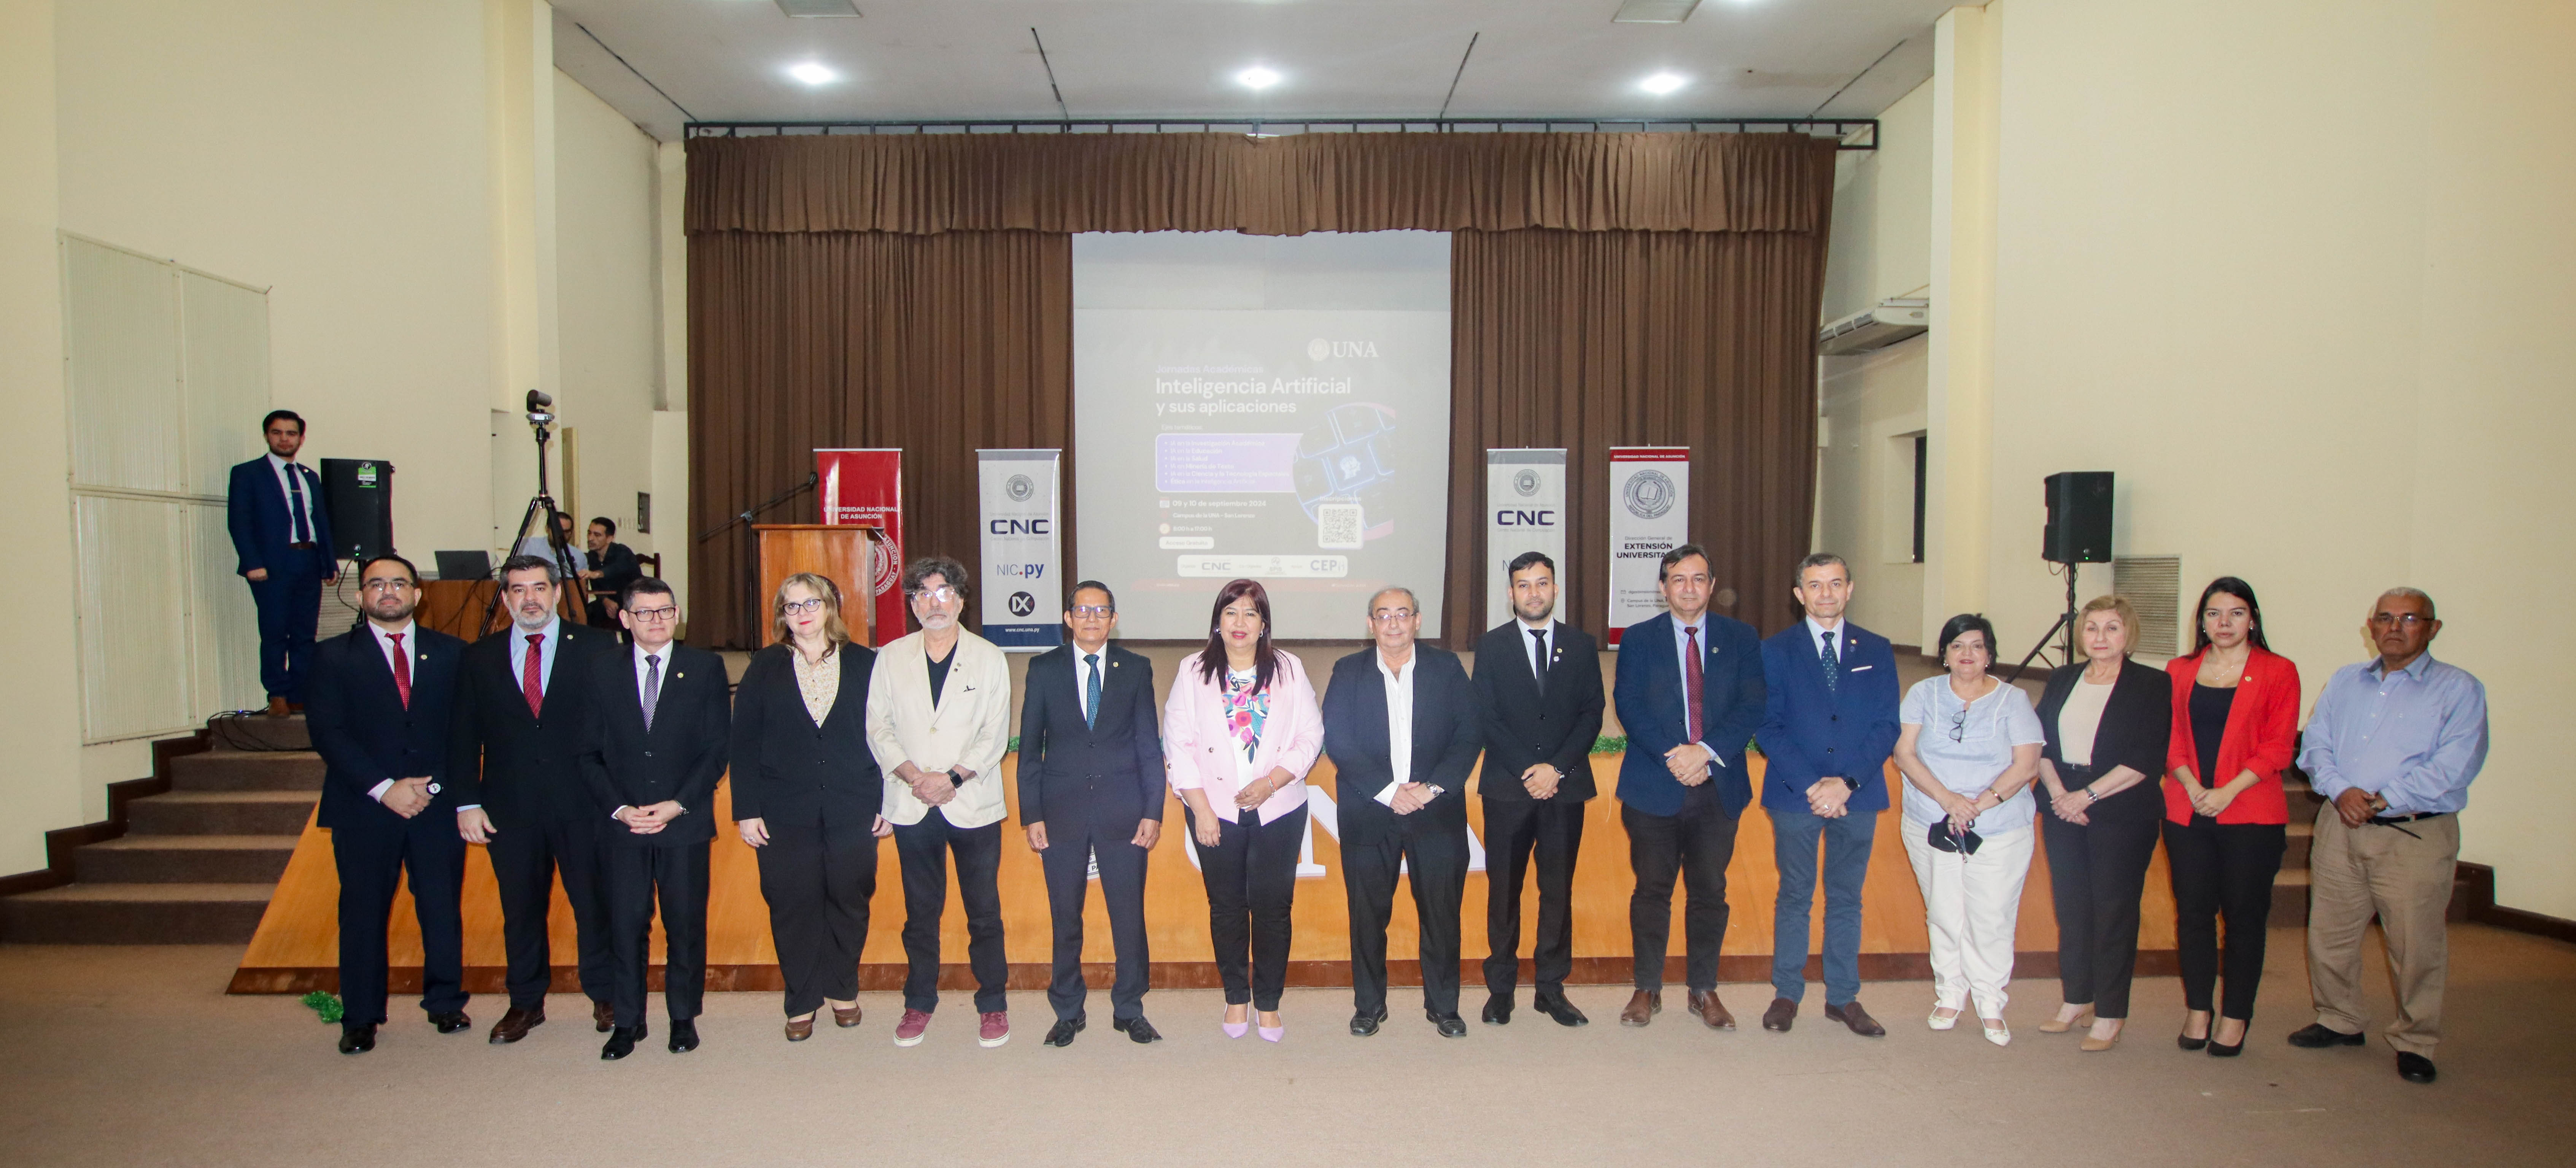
(955, 779)
(1850, 782)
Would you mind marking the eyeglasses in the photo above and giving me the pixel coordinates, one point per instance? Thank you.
(1959, 726)
(1088, 611)
(654, 615)
(802, 607)
(395, 585)
(1390, 614)
(940, 595)
(2410, 620)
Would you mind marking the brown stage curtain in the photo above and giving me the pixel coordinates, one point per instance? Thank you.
(1589, 340)
(939, 344)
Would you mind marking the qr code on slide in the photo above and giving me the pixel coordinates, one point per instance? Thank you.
(1338, 526)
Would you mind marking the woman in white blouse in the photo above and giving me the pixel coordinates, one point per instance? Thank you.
(1969, 748)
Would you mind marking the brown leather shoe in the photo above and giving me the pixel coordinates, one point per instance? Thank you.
(603, 1016)
(1782, 1014)
(846, 1018)
(515, 1025)
(1642, 1008)
(800, 1029)
(1850, 1014)
(1711, 1012)
(276, 706)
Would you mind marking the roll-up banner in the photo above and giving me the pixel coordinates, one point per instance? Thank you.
(1524, 512)
(1649, 515)
(1020, 593)
(866, 486)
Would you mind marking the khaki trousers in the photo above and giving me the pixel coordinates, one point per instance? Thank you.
(2356, 872)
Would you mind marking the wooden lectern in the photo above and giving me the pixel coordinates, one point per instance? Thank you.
(842, 553)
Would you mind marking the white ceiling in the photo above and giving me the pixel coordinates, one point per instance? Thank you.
(724, 60)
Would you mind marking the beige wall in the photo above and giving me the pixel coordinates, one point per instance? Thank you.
(607, 303)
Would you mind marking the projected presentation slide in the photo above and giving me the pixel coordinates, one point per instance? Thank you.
(1272, 407)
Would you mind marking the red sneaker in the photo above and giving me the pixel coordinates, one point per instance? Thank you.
(996, 1029)
(908, 1031)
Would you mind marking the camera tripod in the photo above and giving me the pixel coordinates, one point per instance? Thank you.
(541, 509)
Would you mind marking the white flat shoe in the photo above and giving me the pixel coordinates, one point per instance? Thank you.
(1937, 1022)
(1997, 1032)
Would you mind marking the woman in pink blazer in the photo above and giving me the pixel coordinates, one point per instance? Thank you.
(1239, 734)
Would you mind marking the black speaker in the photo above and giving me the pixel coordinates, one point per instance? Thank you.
(358, 494)
(2079, 518)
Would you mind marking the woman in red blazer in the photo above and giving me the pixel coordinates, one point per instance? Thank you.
(2235, 721)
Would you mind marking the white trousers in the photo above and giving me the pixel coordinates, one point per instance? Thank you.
(1972, 904)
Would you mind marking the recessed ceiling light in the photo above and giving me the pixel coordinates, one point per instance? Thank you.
(1257, 77)
(1654, 12)
(813, 73)
(1663, 83)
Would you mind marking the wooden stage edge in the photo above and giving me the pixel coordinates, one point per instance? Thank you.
(1186, 975)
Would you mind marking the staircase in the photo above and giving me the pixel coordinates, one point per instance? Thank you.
(197, 863)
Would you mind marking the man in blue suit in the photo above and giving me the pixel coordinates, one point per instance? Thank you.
(1689, 693)
(1825, 739)
(382, 696)
(282, 538)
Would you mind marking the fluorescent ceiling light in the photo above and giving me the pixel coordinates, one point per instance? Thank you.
(1257, 77)
(1654, 12)
(843, 8)
(1663, 83)
(813, 73)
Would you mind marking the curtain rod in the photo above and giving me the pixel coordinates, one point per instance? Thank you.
(1853, 133)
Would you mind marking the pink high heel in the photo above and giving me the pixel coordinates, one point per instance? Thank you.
(1238, 1029)
(1273, 1033)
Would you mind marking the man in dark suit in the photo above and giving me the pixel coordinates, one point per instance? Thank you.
(607, 567)
(521, 722)
(1689, 691)
(1539, 683)
(381, 708)
(657, 747)
(1826, 735)
(1402, 725)
(282, 540)
(1091, 790)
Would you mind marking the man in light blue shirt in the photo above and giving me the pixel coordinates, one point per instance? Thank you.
(2392, 744)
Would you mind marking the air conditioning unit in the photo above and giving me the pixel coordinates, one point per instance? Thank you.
(1892, 320)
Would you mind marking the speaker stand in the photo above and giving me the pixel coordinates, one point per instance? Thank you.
(2065, 620)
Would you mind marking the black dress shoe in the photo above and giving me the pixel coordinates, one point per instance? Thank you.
(1061, 1034)
(1562, 1011)
(2414, 1068)
(451, 1023)
(1498, 1010)
(1137, 1029)
(684, 1035)
(621, 1043)
(1450, 1025)
(361, 1039)
(1363, 1025)
(1781, 1016)
(2318, 1034)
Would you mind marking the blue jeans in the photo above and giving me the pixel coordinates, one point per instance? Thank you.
(1794, 836)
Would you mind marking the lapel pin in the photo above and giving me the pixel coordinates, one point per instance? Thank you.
(678, 676)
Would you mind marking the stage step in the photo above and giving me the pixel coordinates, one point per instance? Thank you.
(184, 859)
(136, 914)
(2290, 898)
(2303, 835)
(247, 770)
(222, 813)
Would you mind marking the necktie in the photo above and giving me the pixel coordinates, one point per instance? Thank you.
(402, 669)
(652, 686)
(532, 679)
(1693, 669)
(1091, 690)
(1833, 667)
(1538, 637)
(295, 505)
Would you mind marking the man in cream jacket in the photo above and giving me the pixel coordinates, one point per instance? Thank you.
(939, 706)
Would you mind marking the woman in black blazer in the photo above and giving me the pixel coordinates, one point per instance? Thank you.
(806, 790)
(2107, 722)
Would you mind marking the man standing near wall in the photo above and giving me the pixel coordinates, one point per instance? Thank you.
(282, 538)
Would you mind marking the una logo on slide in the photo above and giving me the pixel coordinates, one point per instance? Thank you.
(1319, 349)
(1649, 494)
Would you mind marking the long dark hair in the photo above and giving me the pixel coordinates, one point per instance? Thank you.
(2230, 586)
(1265, 660)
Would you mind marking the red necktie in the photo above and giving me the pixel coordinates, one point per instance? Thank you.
(532, 680)
(402, 669)
(1692, 670)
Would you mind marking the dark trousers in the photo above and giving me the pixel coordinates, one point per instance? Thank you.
(1515, 831)
(1846, 840)
(371, 862)
(1434, 857)
(1251, 877)
(818, 874)
(2222, 868)
(526, 856)
(636, 878)
(923, 849)
(1074, 836)
(2096, 873)
(1696, 845)
(289, 601)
